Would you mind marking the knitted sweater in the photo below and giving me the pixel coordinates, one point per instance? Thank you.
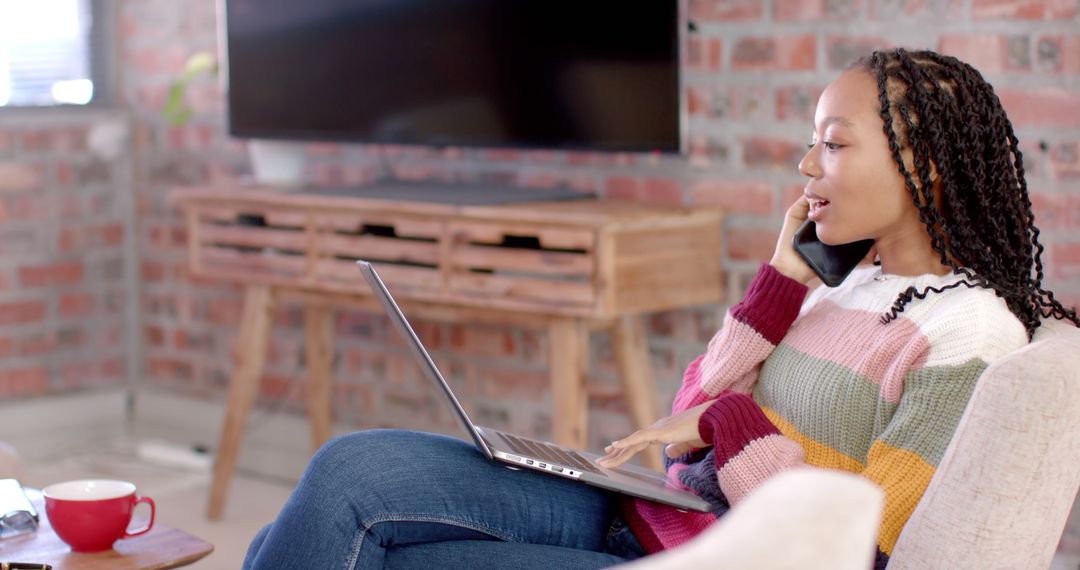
(825, 383)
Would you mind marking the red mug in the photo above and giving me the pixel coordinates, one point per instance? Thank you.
(91, 514)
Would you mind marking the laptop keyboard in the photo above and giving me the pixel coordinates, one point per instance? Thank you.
(549, 453)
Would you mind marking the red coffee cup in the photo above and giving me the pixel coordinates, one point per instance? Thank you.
(91, 514)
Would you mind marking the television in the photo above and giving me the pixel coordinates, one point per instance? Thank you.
(595, 75)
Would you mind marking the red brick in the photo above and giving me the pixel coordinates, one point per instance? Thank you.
(987, 52)
(662, 191)
(76, 305)
(788, 10)
(842, 51)
(21, 176)
(705, 54)
(7, 142)
(1065, 260)
(738, 197)
(59, 140)
(1054, 211)
(777, 154)
(23, 382)
(482, 341)
(1024, 9)
(726, 10)
(936, 10)
(797, 102)
(109, 235)
(751, 245)
(62, 273)
(788, 53)
(1042, 107)
(501, 384)
(1064, 158)
(153, 271)
(154, 335)
(1057, 54)
(622, 188)
(790, 195)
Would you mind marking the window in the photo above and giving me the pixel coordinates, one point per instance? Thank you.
(51, 52)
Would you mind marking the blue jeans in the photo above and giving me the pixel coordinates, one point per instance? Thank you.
(399, 499)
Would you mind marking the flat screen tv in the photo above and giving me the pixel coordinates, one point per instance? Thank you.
(556, 74)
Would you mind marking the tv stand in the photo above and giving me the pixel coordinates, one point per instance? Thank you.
(452, 193)
(567, 267)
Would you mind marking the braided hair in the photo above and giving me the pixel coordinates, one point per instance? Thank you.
(978, 214)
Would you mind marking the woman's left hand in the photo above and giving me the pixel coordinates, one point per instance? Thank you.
(679, 431)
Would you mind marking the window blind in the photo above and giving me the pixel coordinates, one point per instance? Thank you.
(52, 52)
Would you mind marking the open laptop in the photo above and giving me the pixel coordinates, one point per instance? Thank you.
(517, 451)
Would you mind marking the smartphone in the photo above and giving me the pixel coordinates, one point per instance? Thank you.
(832, 263)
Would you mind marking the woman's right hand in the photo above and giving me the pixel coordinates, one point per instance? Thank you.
(785, 259)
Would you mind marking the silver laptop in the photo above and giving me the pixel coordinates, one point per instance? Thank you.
(522, 452)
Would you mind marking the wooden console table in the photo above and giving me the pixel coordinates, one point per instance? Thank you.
(569, 266)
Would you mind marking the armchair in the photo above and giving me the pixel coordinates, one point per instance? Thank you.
(999, 499)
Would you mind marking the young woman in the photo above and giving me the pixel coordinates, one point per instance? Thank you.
(910, 149)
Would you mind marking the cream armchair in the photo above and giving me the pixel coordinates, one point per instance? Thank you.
(999, 499)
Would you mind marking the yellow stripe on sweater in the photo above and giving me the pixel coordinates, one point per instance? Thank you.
(817, 454)
(903, 476)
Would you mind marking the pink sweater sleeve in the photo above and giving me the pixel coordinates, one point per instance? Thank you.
(752, 328)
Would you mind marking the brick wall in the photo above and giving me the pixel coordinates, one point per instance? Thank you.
(754, 69)
(64, 291)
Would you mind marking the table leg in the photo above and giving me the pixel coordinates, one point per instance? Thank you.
(631, 352)
(251, 345)
(568, 340)
(318, 341)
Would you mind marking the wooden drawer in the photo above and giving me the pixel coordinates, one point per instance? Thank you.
(405, 249)
(520, 262)
(246, 242)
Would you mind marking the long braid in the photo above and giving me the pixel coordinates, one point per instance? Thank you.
(978, 213)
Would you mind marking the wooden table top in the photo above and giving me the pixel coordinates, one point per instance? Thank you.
(162, 547)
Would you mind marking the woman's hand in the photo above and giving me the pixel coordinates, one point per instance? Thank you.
(679, 430)
(784, 258)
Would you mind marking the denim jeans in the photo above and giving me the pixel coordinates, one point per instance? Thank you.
(398, 499)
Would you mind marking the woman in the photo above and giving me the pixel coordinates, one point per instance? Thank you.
(912, 150)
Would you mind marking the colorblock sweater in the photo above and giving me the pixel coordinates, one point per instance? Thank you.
(818, 380)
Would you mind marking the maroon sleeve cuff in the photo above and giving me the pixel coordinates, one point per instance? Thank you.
(771, 303)
(733, 421)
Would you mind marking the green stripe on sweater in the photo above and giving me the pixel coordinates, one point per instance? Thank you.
(812, 393)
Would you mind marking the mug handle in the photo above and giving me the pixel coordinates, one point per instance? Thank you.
(150, 524)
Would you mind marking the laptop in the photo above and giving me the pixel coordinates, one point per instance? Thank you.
(521, 452)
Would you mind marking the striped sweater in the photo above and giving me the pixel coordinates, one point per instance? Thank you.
(823, 382)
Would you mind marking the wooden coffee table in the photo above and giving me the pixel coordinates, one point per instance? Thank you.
(162, 547)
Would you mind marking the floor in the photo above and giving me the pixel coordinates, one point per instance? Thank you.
(179, 491)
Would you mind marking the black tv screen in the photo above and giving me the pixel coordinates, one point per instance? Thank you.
(592, 74)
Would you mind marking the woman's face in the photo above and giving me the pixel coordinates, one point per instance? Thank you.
(854, 187)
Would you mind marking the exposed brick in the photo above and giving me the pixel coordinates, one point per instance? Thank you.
(707, 150)
(778, 154)
(76, 305)
(482, 341)
(21, 312)
(789, 53)
(726, 10)
(842, 51)
(1024, 9)
(989, 53)
(662, 191)
(21, 176)
(622, 187)
(23, 382)
(513, 383)
(51, 274)
(803, 10)
(936, 10)
(57, 141)
(1065, 260)
(1065, 160)
(704, 53)
(152, 271)
(737, 197)
(797, 102)
(1057, 54)
(750, 245)
(1041, 107)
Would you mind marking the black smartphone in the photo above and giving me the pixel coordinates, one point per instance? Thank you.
(831, 263)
